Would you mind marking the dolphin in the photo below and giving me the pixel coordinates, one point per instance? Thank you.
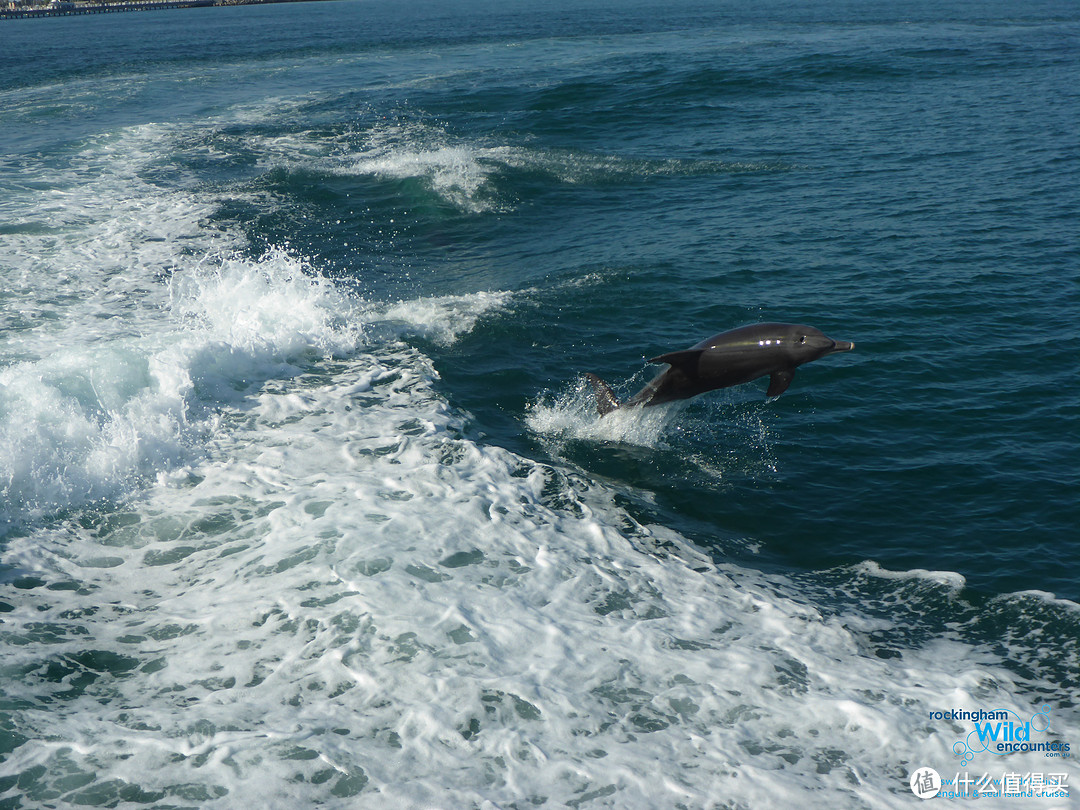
(730, 358)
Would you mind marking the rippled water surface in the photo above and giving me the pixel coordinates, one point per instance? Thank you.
(303, 496)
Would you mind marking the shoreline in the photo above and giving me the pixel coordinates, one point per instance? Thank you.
(74, 9)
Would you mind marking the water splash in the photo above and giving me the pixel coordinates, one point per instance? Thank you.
(571, 415)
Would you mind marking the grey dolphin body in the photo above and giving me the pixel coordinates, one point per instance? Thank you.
(730, 358)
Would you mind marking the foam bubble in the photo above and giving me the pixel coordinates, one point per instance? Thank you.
(90, 403)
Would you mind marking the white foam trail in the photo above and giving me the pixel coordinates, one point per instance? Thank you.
(455, 173)
(464, 174)
(348, 602)
(321, 593)
(128, 324)
(88, 423)
(950, 579)
(274, 307)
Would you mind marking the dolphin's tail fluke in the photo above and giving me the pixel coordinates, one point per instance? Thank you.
(606, 401)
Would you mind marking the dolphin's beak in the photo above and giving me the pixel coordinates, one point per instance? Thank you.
(842, 346)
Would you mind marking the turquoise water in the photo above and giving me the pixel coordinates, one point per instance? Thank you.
(304, 497)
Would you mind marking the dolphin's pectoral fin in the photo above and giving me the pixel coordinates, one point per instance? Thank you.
(606, 401)
(779, 381)
(686, 360)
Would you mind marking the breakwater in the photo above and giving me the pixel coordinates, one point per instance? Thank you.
(68, 9)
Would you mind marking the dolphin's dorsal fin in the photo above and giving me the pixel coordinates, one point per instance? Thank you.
(686, 360)
(606, 401)
(779, 381)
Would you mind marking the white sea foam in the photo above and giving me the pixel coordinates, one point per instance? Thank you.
(85, 423)
(463, 173)
(950, 579)
(87, 401)
(456, 173)
(340, 599)
(1052, 600)
(441, 319)
(273, 307)
(320, 593)
(156, 322)
(347, 601)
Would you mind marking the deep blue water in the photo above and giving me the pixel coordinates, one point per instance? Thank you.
(256, 263)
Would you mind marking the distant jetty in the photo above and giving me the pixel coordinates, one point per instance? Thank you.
(67, 8)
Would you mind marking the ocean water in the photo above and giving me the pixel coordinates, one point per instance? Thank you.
(304, 501)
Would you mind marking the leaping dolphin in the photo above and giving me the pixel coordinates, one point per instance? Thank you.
(730, 358)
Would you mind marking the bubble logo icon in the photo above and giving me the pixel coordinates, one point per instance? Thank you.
(1004, 736)
(1040, 721)
(925, 783)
